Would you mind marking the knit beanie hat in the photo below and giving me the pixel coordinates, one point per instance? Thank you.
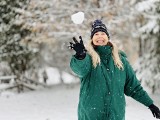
(99, 26)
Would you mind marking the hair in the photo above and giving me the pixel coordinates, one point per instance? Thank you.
(96, 58)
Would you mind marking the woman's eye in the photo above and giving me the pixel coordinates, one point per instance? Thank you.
(103, 33)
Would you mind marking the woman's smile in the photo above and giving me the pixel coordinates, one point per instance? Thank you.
(100, 41)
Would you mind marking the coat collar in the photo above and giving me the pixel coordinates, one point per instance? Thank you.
(104, 51)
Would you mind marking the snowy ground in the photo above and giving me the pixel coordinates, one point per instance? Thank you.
(58, 103)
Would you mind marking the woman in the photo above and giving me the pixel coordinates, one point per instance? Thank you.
(106, 77)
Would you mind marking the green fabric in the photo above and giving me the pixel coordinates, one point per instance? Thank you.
(103, 89)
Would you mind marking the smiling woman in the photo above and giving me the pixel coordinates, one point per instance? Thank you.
(106, 77)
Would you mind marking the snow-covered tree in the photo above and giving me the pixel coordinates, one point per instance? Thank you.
(12, 48)
(148, 66)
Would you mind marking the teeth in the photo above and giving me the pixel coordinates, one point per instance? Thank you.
(100, 41)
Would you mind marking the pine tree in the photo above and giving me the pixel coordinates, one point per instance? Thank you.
(148, 68)
(12, 49)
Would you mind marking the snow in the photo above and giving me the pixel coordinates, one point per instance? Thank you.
(53, 76)
(68, 78)
(146, 5)
(151, 25)
(58, 103)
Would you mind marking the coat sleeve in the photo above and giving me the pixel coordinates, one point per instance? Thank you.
(133, 87)
(81, 67)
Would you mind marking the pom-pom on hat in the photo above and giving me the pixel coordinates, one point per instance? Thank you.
(99, 26)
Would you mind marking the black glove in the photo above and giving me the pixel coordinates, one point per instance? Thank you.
(155, 111)
(79, 48)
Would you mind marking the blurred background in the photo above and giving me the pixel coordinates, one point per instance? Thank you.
(34, 35)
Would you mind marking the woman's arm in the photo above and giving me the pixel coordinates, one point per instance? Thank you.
(81, 67)
(133, 87)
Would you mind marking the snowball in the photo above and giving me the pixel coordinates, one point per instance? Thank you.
(78, 17)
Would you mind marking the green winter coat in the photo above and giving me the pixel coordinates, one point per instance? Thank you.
(103, 88)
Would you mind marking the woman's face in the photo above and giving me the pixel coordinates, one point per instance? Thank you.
(100, 38)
